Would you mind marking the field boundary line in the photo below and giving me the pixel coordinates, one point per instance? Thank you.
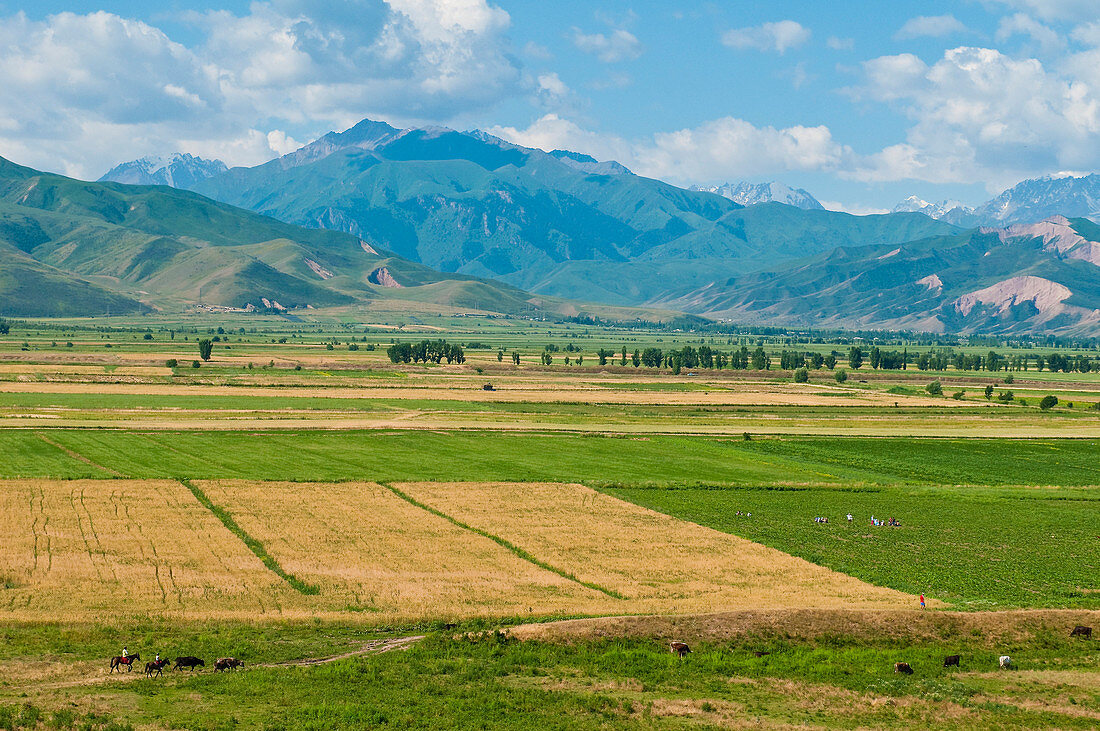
(253, 545)
(78, 456)
(503, 542)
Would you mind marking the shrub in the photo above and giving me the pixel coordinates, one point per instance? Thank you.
(195, 364)
(841, 376)
(1048, 402)
(935, 388)
(1009, 378)
(353, 346)
(1005, 397)
(801, 375)
(959, 395)
(171, 363)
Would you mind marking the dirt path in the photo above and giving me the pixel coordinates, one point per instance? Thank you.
(373, 647)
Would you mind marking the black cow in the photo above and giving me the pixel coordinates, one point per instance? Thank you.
(1082, 631)
(227, 663)
(903, 667)
(190, 662)
(951, 661)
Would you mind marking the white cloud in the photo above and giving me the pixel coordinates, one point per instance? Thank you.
(1075, 10)
(840, 44)
(1045, 39)
(981, 116)
(82, 92)
(779, 36)
(551, 90)
(619, 45)
(717, 150)
(855, 209)
(934, 26)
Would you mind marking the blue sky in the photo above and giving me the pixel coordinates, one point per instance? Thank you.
(860, 102)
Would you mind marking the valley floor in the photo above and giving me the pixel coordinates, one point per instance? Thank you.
(488, 545)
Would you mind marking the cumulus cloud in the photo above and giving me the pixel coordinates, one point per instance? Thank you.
(82, 91)
(982, 116)
(935, 26)
(779, 36)
(619, 45)
(714, 151)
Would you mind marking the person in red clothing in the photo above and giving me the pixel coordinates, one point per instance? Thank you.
(922, 601)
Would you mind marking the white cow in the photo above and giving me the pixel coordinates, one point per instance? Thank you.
(1005, 662)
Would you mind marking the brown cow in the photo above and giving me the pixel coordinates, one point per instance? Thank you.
(903, 667)
(679, 648)
(951, 661)
(1081, 631)
(227, 663)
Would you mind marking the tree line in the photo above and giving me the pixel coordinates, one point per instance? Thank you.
(434, 351)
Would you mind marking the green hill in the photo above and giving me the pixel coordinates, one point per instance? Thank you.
(69, 247)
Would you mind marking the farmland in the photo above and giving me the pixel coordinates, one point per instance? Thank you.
(295, 500)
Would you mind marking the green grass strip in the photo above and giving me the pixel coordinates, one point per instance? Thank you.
(504, 543)
(253, 545)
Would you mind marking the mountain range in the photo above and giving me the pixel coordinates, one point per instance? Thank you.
(562, 224)
(1022, 278)
(178, 170)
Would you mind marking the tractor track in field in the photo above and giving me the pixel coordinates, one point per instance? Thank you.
(374, 647)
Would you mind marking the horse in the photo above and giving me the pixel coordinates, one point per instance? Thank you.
(155, 666)
(118, 661)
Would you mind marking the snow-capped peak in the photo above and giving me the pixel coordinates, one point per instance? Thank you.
(177, 169)
(749, 194)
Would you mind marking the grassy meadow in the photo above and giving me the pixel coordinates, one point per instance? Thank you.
(393, 544)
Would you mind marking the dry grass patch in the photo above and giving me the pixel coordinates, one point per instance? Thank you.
(101, 549)
(369, 550)
(659, 563)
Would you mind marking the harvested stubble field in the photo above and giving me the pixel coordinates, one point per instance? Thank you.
(656, 563)
(95, 550)
(104, 549)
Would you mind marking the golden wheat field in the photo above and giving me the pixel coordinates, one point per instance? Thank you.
(101, 549)
(370, 551)
(98, 549)
(657, 562)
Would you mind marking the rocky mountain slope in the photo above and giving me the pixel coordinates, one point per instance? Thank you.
(178, 170)
(1028, 201)
(1025, 278)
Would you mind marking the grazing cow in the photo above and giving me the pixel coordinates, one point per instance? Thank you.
(1082, 631)
(903, 667)
(227, 663)
(188, 661)
(1004, 662)
(951, 661)
(679, 648)
(761, 653)
(155, 667)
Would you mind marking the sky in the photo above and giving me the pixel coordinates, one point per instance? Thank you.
(861, 102)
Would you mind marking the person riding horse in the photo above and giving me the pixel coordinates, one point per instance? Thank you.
(128, 660)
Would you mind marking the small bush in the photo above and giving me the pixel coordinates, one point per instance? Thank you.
(841, 376)
(801, 375)
(171, 363)
(1009, 379)
(298, 367)
(1048, 402)
(959, 395)
(195, 364)
(353, 346)
(1005, 397)
(935, 388)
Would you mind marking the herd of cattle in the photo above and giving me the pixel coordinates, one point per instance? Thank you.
(951, 661)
